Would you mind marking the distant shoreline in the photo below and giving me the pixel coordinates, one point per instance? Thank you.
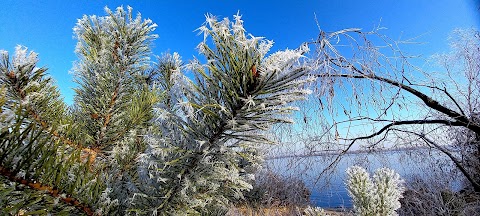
(339, 152)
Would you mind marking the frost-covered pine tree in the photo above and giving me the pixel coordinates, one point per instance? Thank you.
(206, 152)
(54, 159)
(41, 168)
(141, 140)
(113, 103)
(380, 197)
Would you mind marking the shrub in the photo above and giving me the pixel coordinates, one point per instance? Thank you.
(434, 198)
(271, 189)
(380, 197)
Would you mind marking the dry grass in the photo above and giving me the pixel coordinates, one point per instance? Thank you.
(276, 211)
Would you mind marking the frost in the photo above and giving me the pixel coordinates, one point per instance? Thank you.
(244, 127)
(249, 102)
(56, 201)
(232, 123)
(4, 54)
(25, 101)
(21, 174)
(262, 106)
(203, 30)
(378, 197)
(106, 202)
(306, 91)
(315, 211)
(194, 65)
(237, 27)
(282, 60)
(6, 117)
(250, 177)
(252, 41)
(33, 84)
(201, 47)
(187, 108)
(22, 58)
(201, 143)
(210, 20)
(265, 46)
(161, 114)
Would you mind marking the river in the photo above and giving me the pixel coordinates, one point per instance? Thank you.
(329, 191)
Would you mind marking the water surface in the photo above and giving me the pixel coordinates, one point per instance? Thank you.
(329, 191)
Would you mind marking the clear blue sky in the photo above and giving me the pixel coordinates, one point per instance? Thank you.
(46, 26)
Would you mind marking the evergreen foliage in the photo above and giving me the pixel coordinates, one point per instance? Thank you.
(206, 152)
(113, 103)
(139, 139)
(36, 156)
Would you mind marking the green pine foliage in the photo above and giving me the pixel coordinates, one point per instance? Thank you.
(36, 156)
(206, 152)
(143, 139)
(113, 102)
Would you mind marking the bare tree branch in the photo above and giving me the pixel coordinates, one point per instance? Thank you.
(376, 77)
(460, 119)
(456, 161)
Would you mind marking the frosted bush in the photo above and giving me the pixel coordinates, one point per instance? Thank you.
(314, 211)
(378, 197)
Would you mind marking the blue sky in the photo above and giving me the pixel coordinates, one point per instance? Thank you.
(46, 26)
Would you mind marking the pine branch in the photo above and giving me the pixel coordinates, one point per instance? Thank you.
(106, 118)
(190, 167)
(19, 81)
(229, 100)
(32, 145)
(66, 198)
(109, 72)
(113, 101)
